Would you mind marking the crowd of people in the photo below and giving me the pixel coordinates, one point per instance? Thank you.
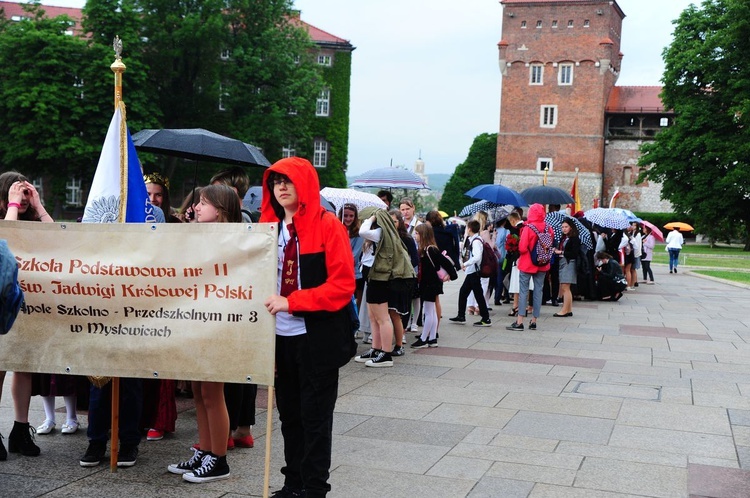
(388, 264)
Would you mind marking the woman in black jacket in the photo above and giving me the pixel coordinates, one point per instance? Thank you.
(567, 252)
(430, 285)
(445, 239)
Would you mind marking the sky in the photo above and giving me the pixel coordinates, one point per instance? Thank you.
(425, 78)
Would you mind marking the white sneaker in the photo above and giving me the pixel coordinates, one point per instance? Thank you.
(70, 428)
(47, 427)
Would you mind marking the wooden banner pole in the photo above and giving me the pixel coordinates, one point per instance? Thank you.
(269, 430)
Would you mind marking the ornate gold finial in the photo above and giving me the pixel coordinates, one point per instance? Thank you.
(117, 45)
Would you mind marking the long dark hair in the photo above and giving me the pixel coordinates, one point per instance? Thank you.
(353, 229)
(6, 180)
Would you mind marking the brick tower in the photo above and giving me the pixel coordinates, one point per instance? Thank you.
(559, 60)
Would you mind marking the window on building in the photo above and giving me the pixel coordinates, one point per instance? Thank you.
(324, 60)
(297, 59)
(539, 24)
(288, 151)
(225, 54)
(523, 24)
(39, 186)
(565, 74)
(570, 23)
(548, 116)
(78, 83)
(536, 74)
(544, 164)
(292, 112)
(627, 175)
(554, 23)
(586, 23)
(322, 106)
(664, 122)
(320, 157)
(223, 94)
(73, 192)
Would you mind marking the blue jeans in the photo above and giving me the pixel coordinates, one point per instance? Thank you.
(674, 256)
(523, 292)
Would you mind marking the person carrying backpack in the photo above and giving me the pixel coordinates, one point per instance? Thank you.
(535, 248)
(472, 281)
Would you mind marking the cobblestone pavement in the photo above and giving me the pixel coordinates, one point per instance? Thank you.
(647, 397)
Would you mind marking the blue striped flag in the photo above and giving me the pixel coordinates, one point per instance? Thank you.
(118, 193)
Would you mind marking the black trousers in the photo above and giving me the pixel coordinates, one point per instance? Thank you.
(305, 398)
(131, 405)
(240, 400)
(472, 283)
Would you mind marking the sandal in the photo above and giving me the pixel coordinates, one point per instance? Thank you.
(513, 312)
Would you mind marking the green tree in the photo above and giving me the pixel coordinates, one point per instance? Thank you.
(478, 168)
(46, 126)
(703, 160)
(269, 79)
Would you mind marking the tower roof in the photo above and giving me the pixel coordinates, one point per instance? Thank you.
(641, 99)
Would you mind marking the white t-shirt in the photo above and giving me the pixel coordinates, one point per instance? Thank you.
(287, 324)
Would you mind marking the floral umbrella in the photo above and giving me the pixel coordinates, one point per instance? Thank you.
(341, 196)
(607, 218)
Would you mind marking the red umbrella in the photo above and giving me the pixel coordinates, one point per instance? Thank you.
(654, 230)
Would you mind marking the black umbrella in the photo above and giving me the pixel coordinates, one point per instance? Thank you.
(199, 145)
(254, 197)
(544, 194)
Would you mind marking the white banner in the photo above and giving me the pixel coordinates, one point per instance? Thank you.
(172, 301)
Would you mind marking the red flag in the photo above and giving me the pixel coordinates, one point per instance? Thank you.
(575, 206)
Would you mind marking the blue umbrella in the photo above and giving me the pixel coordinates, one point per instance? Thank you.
(497, 194)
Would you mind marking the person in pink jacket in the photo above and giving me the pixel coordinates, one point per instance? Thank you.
(529, 270)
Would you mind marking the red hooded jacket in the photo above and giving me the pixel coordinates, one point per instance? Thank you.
(529, 238)
(325, 263)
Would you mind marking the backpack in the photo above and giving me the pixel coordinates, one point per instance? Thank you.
(488, 265)
(541, 253)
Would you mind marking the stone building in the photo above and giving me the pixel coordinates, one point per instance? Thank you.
(561, 111)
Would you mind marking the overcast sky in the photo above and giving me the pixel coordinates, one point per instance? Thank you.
(425, 74)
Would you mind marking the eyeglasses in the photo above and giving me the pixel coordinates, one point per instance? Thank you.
(282, 181)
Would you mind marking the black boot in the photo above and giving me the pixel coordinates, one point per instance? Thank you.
(3, 452)
(21, 440)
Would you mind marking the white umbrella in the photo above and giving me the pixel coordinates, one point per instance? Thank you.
(390, 178)
(341, 196)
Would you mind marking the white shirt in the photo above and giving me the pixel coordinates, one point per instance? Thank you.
(287, 324)
(675, 240)
(475, 254)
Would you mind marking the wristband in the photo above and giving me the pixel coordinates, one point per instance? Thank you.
(14, 204)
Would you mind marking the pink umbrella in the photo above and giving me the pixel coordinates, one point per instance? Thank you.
(654, 230)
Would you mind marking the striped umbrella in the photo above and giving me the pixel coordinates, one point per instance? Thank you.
(390, 178)
(607, 218)
(555, 220)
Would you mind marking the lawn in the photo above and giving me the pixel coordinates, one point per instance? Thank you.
(741, 277)
(704, 256)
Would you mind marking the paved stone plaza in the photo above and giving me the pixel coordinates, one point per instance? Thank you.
(646, 397)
